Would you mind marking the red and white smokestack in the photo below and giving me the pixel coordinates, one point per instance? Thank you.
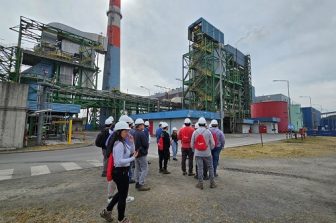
(111, 78)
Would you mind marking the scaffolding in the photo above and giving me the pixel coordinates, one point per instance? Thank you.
(63, 64)
(209, 61)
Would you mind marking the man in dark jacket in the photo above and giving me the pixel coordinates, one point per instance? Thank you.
(141, 165)
(101, 141)
(164, 153)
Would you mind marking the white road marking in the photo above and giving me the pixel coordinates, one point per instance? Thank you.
(71, 166)
(95, 162)
(39, 170)
(6, 174)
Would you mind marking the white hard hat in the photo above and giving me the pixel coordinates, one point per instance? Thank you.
(160, 123)
(121, 125)
(131, 121)
(202, 121)
(109, 120)
(196, 125)
(139, 121)
(124, 118)
(213, 122)
(187, 121)
(174, 129)
(146, 123)
(164, 124)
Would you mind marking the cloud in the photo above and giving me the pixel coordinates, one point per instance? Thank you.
(287, 39)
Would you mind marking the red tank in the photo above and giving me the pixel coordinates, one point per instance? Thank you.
(268, 109)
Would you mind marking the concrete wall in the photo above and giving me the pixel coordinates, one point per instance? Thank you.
(13, 104)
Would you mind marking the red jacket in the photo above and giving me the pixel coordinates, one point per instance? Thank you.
(185, 135)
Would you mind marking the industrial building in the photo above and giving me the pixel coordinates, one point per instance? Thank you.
(216, 77)
(311, 118)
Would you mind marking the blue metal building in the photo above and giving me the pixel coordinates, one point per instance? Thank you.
(311, 118)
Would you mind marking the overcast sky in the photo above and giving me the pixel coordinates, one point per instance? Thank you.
(288, 39)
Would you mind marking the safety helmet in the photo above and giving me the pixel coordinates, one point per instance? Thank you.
(174, 129)
(146, 123)
(124, 118)
(164, 125)
(187, 121)
(139, 121)
(213, 122)
(109, 120)
(121, 125)
(201, 121)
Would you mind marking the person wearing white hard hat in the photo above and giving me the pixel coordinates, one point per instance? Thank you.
(146, 130)
(101, 141)
(185, 135)
(141, 164)
(202, 142)
(205, 168)
(120, 154)
(174, 142)
(163, 149)
(219, 139)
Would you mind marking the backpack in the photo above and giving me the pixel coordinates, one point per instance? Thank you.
(214, 135)
(101, 138)
(185, 138)
(110, 167)
(200, 143)
(160, 144)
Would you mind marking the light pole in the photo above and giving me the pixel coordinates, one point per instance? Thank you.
(289, 100)
(148, 95)
(310, 108)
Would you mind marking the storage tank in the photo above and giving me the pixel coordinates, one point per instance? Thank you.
(269, 109)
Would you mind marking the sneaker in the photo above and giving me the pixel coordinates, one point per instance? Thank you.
(149, 162)
(196, 177)
(161, 170)
(191, 174)
(175, 159)
(216, 174)
(199, 185)
(143, 188)
(109, 199)
(125, 220)
(103, 174)
(213, 185)
(184, 173)
(131, 181)
(137, 185)
(166, 172)
(206, 178)
(107, 215)
(129, 199)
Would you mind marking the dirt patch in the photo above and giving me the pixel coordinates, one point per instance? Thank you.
(310, 147)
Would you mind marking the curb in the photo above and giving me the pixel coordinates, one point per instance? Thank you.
(46, 149)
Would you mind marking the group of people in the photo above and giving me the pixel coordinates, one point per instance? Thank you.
(125, 148)
(199, 141)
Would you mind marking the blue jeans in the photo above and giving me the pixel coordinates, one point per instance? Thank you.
(174, 147)
(215, 157)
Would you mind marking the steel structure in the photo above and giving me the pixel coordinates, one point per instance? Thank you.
(209, 61)
(45, 59)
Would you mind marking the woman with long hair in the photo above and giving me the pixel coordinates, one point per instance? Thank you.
(122, 159)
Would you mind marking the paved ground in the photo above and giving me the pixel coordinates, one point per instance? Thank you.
(18, 165)
(264, 190)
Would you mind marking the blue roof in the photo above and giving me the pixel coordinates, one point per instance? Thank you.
(177, 114)
(55, 107)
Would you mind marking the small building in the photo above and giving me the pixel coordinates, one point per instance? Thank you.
(175, 118)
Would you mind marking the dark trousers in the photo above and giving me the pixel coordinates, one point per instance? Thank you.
(190, 154)
(163, 158)
(104, 161)
(120, 177)
(215, 158)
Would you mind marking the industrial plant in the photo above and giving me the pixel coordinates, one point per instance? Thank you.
(51, 76)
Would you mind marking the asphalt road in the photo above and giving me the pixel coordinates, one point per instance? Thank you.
(18, 165)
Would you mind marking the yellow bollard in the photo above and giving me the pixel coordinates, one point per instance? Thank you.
(70, 131)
